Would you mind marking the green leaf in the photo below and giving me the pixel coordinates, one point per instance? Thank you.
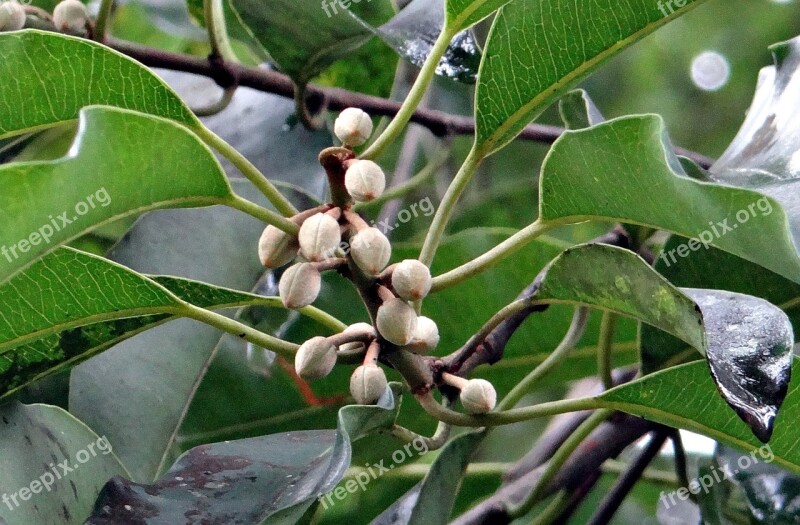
(303, 37)
(686, 397)
(41, 445)
(461, 14)
(65, 74)
(538, 49)
(431, 501)
(251, 480)
(163, 367)
(43, 204)
(625, 170)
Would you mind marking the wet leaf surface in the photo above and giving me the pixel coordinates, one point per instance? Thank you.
(749, 352)
(247, 481)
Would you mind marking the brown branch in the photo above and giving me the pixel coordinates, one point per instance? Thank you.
(336, 99)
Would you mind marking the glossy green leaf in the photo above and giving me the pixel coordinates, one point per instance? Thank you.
(64, 74)
(461, 14)
(248, 481)
(44, 204)
(53, 466)
(538, 49)
(625, 170)
(686, 397)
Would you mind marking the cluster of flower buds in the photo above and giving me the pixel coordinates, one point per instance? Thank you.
(335, 237)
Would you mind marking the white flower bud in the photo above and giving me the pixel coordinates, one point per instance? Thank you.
(12, 16)
(70, 16)
(319, 237)
(276, 247)
(353, 127)
(371, 250)
(426, 336)
(411, 280)
(364, 180)
(397, 321)
(367, 384)
(478, 396)
(355, 346)
(315, 358)
(300, 285)
(359, 328)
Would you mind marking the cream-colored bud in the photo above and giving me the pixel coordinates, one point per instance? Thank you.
(478, 396)
(367, 384)
(276, 247)
(315, 358)
(411, 280)
(371, 250)
(70, 16)
(364, 180)
(12, 16)
(319, 237)
(357, 328)
(300, 285)
(426, 336)
(353, 127)
(397, 321)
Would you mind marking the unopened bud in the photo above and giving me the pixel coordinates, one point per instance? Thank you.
(367, 384)
(70, 16)
(478, 396)
(319, 237)
(364, 180)
(411, 280)
(426, 336)
(276, 247)
(371, 250)
(397, 321)
(12, 16)
(353, 127)
(300, 285)
(315, 358)
(358, 328)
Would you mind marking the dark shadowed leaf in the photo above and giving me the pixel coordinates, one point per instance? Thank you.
(431, 501)
(39, 443)
(247, 481)
(749, 352)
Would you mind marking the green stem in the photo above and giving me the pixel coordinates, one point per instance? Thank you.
(217, 30)
(488, 259)
(413, 99)
(447, 206)
(571, 338)
(553, 509)
(103, 17)
(216, 107)
(261, 213)
(247, 169)
(435, 442)
(324, 318)
(401, 190)
(507, 417)
(557, 461)
(279, 346)
(605, 344)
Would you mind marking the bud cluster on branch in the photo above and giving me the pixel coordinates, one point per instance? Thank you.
(333, 237)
